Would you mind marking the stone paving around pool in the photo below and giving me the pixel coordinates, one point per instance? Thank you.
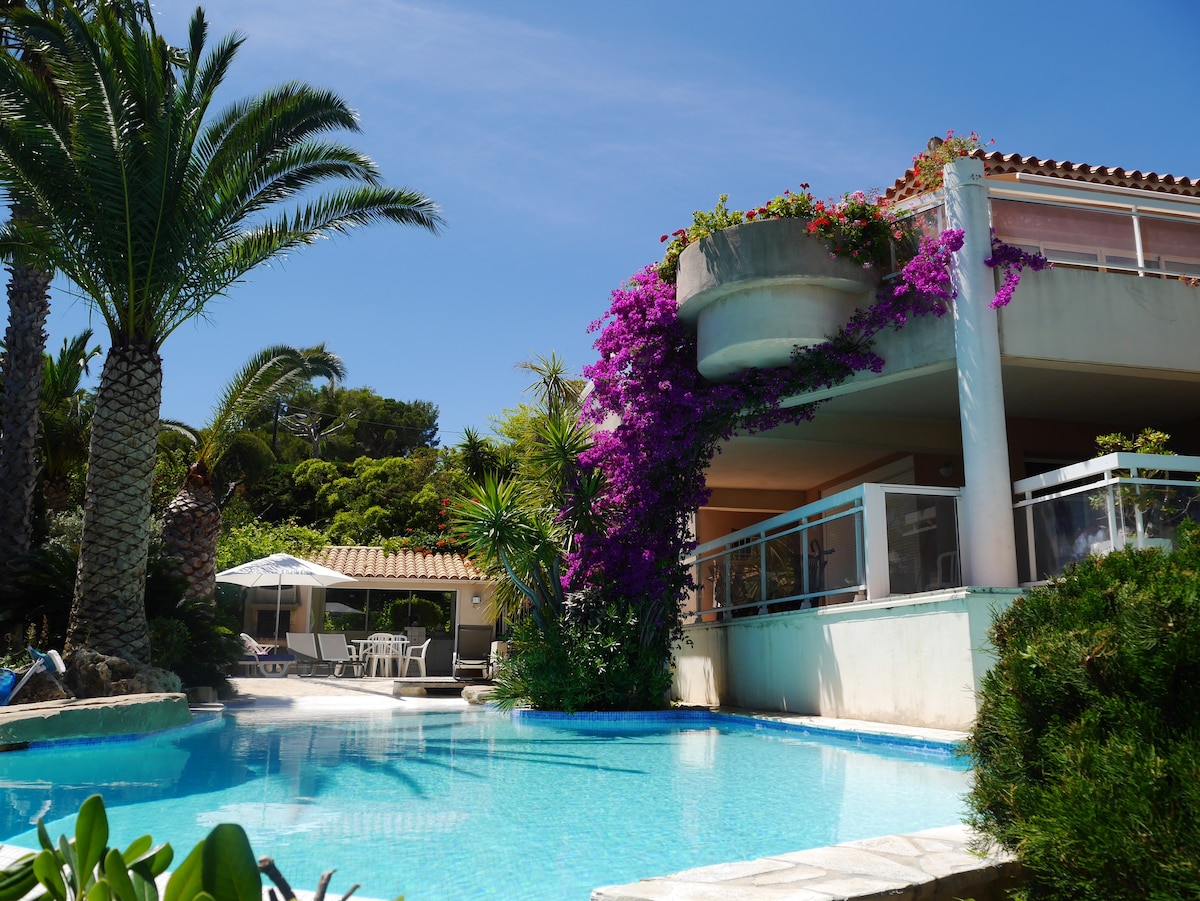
(933, 865)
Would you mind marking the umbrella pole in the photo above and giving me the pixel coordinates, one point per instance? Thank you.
(278, 601)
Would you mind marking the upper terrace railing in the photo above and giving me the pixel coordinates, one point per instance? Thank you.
(866, 543)
(1099, 227)
(1091, 507)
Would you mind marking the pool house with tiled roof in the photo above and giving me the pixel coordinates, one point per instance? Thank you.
(380, 580)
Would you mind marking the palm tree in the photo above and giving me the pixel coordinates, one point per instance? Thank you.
(66, 410)
(552, 388)
(192, 520)
(152, 207)
(25, 343)
(523, 509)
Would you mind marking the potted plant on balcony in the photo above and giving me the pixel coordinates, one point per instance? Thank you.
(1149, 514)
(858, 227)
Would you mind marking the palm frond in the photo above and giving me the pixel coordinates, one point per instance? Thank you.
(145, 200)
(273, 371)
(180, 428)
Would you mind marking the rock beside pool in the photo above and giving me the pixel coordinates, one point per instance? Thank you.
(91, 718)
(91, 674)
(478, 694)
(40, 687)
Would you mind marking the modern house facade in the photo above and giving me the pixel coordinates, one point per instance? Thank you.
(849, 566)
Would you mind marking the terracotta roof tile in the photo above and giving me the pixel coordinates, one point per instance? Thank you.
(1011, 163)
(371, 563)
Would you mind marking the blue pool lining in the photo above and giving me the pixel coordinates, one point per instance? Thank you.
(615, 718)
(749, 722)
(200, 720)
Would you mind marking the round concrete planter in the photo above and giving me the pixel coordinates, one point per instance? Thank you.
(758, 289)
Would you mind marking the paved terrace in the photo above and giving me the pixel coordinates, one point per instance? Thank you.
(934, 865)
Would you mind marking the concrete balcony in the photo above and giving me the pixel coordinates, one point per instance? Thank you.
(755, 291)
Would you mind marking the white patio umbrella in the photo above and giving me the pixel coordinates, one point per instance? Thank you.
(278, 569)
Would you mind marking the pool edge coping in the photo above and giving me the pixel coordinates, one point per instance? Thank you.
(933, 864)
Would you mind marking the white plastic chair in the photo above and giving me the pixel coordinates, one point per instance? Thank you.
(382, 650)
(417, 656)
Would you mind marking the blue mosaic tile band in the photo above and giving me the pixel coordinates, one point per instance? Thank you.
(199, 720)
(742, 721)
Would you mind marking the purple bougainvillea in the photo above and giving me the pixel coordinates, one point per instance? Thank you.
(660, 422)
(663, 422)
(1012, 260)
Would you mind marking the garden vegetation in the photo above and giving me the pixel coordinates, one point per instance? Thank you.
(1087, 744)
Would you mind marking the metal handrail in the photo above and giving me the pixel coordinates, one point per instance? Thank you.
(1101, 466)
(753, 542)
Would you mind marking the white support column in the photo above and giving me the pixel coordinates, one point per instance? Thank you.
(988, 553)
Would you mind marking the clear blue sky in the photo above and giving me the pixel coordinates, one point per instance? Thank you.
(562, 138)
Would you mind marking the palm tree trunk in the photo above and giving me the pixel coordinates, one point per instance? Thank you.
(28, 306)
(190, 529)
(57, 493)
(108, 612)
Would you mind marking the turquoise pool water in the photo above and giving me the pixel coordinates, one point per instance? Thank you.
(481, 805)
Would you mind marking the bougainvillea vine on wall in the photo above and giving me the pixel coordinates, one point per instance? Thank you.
(670, 421)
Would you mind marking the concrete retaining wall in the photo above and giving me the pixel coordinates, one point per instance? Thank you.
(915, 660)
(92, 718)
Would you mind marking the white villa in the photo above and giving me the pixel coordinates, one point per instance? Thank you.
(849, 566)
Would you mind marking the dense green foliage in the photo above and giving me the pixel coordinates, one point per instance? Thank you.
(252, 539)
(576, 663)
(343, 424)
(368, 501)
(1087, 744)
(35, 596)
(194, 640)
(522, 519)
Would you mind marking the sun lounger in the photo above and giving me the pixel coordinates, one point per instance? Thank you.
(342, 656)
(49, 662)
(473, 650)
(308, 660)
(269, 661)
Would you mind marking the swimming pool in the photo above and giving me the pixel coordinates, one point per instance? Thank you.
(482, 805)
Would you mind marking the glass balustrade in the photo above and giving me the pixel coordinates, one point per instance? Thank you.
(1092, 507)
(863, 544)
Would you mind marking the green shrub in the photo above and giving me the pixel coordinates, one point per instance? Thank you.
(574, 665)
(1087, 744)
(196, 640)
(36, 589)
(424, 612)
(222, 867)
